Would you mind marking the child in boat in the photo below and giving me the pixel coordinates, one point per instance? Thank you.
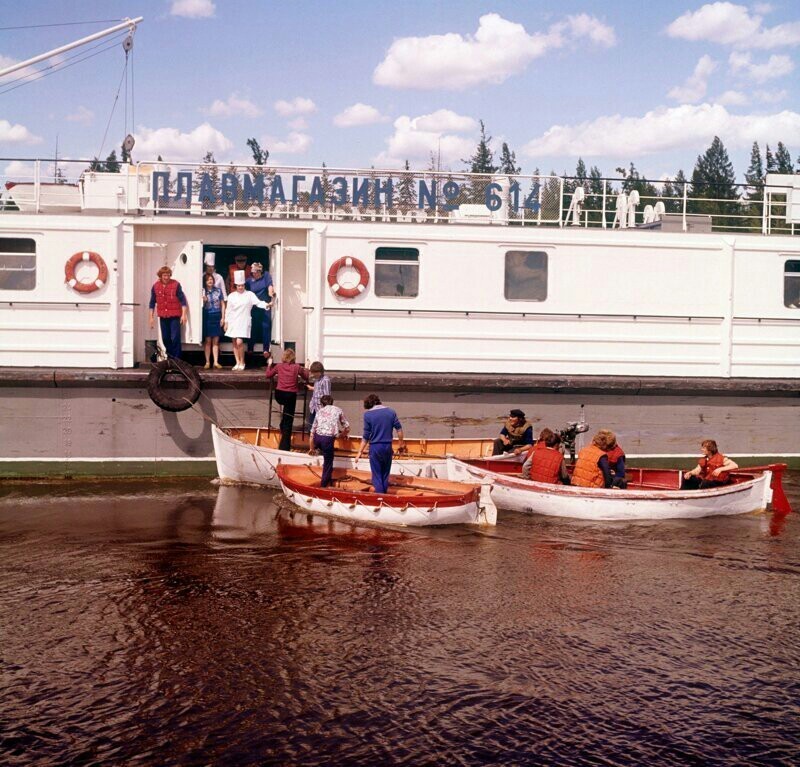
(712, 470)
(616, 459)
(328, 425)
(321, 388)
(592, 468)
(545, 462)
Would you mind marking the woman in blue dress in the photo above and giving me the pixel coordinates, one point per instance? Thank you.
(213, 317)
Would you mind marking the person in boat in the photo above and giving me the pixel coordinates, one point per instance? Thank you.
(545, 461)
(328, 425)
(516, 435)
(209, 261)
(287, 373)
(712, 470)
(616, 459)
(169, 302)
(321, 387)
(237, 317)
(213, 318)
(592, 469)
(239, 265)
(379, 423)
(261, 284)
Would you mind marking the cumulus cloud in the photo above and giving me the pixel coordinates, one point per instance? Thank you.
(295, 143)
(175, 146)
(16, 134)
(17, 170)
(731, 24)
(81, 115)
(414, 139)
(235, 105)
(498, 49)
(683, 127)
(771, 97)
(696, 84)
(193, 9)
(297, 106)
(732, 98)
(299, 123)
(775, 66)
(358, 114)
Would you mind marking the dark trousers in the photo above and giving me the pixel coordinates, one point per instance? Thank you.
(263, 318)
(695, 483)
(325, 445)
(500, 447)
(380, 464)
(171, 335)
(287, 400)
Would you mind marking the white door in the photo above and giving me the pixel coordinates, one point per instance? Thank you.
(186, 261)
(276, 270)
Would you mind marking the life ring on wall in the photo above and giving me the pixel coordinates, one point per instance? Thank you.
(173, 399)
(86, 287)
(333, 277)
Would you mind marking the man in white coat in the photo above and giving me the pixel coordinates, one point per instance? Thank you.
(237, 317)
(209, 260)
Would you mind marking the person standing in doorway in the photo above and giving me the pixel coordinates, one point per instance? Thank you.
(287, 373)
(213, 319)
(210, 260)
(168, 301)
(240, 265)
(261, 284)
(379, 423)
(237, 318)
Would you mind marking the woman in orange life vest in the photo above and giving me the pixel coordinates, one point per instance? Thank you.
(545, 462)
(711, 471)
(592, 468)
(169, 302)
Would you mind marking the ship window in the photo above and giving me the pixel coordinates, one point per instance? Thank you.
(526, 275)
(397, 272)
(17, 264)
(791, 284)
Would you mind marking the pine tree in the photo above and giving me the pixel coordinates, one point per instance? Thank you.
(713, 179)
(783, 159)
(508, 161)
(209, 167)
(95, 166)
(125, 155)
(482, 161)
(754, 175)
(772, 166)
(405, 189)
(112, 164)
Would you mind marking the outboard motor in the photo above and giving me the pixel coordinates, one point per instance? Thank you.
(568, 435)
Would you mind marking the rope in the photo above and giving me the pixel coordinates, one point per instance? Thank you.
(114, 105)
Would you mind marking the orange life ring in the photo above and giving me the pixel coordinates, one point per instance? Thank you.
(86, 287)
(333, 277)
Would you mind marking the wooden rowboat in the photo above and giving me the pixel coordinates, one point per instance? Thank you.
(250, 455)
(651, 494)
(410, 501)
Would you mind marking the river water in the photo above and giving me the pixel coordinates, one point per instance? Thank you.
(181, 623)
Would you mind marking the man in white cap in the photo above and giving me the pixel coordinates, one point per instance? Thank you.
(209, 260)
(237, 319)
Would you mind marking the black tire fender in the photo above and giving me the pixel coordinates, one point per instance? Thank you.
(174, 400)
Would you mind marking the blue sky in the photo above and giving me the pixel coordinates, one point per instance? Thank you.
(356, 84)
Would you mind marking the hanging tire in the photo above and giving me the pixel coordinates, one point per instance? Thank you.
(174, 400)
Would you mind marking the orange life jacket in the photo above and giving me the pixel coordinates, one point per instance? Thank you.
(586, 472)
(707, 465)
(545, 463)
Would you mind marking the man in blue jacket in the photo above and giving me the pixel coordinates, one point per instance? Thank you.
(379, 422)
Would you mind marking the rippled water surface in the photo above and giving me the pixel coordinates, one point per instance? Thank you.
(182, 623)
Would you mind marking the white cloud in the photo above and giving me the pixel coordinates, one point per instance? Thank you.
(771, 97)
(295, 143)
(683, 127)
(732, 98)
(731, 24)
(358, 114)
(16, 134)
(81, 115)
(415, 138)
(235, 105)
(498, 49)
(696, 84)
(299, 123)
(26, 73)
(173, 145)
(297, 106)
(193, 9)
(775, 66)
(18, 171)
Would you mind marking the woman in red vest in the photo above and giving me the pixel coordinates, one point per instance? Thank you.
(711, 471)
(545, 462)
(169, 302)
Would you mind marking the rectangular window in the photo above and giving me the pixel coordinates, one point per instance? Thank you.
(526, 275)
(397, 272)
(791, 285)
(17, 264)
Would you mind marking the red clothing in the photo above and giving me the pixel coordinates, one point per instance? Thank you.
(707, 466)
(546, 464)
(233, 268)
(287, 373)
(615, 454)
(167, 302)
(587, 473)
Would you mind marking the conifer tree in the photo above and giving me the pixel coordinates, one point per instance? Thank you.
(112, 163)
(508, 161)
(713, 179)
(754, 175)
(783, 159)
(405, 189)
(772, 166)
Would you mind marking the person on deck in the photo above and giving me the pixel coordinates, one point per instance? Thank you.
(240, 265)
(261, 284)
(286, 374)
(592, 468)
(379, 423)
(321, 387)
(328, 425)
(213, 319)
(545, 461)
(616, 458)
(516, 435)
(210, 260)
(168, 301)
(237, 319)
(712, 470)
